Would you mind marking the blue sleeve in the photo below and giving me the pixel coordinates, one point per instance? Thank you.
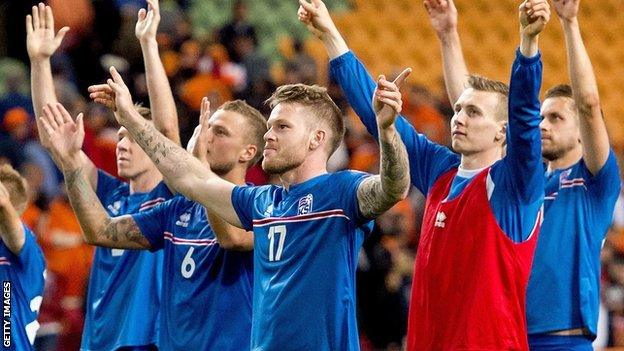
(347, 184)
(31, 263)
(153, 223)
(524, 146)
(243, 200)
(604, 188)
(606, 183)
(518, 179)
(106, 183)
(428, 160)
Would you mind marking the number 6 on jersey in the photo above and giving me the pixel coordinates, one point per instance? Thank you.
(278, 230)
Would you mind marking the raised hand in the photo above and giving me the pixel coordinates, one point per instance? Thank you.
(147, 22)
(316, 17)
(65, 134)
(103, 95)
(566, 9)
(534, 14)
(442, 15)
(41, 42)
(387, 101)
(123, 100)
(198, 144)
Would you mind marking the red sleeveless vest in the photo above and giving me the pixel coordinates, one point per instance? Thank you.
(470, 279)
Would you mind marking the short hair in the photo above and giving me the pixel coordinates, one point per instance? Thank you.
(143, 111)
(255, 121)
(561, 90)
(492, 86)
(16, 185)
(321, 105)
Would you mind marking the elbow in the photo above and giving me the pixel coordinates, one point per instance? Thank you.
(588, 102)
(236, 243)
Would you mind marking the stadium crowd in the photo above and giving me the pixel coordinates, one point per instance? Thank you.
(227, 64)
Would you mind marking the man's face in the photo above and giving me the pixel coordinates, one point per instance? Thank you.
(132, 161)
(227, 140)
(474, 127)
(287, 138)
(559, 126)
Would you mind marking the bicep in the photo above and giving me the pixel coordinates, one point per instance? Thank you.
(371, 198)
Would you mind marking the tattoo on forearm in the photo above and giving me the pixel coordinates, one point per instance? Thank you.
(123, 229)
(93, 217)
(162, 150)
(378, 193)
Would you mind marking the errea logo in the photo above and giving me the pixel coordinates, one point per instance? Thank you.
(184, 220)
(440, 218)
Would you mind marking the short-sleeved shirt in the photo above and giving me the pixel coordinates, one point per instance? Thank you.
(306, 244)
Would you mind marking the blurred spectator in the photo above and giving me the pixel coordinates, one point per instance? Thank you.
(384, 279)
(69, 259)
(237, 28)
(256, 66)
(420, 108)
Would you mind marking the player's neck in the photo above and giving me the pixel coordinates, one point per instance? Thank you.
(307, 170)
(481, 159)
(146, 181)
(236, 175)
(567, 160)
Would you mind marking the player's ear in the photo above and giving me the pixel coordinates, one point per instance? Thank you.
(501, 135)
(248, 153)
(317, 138)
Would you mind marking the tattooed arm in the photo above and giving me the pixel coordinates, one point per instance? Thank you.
(186, 174)
(99, 229)
(378, 193)
(66, 136)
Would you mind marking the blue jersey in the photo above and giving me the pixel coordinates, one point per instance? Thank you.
(564, 288)
(22, 290)
(514, 184)
(123, 300)
(206, 290)
(306, 245)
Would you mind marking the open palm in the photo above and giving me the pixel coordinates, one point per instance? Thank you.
(66, 135)
(41, 41)
(566, 9)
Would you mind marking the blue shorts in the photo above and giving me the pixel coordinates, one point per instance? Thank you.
(544, 342)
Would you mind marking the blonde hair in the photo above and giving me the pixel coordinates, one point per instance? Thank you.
(16, 185)
(322, 107)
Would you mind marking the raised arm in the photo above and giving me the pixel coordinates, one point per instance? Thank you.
(228, 236)
(11, 230)
(594, 137)
(523, 134)
(66, 137)
(443, 18)
(185, 173)
(427, 160)
(378, 193)
(162, 105)
(41, 43)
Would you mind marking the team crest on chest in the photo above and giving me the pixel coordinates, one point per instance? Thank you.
(305, 205)
(184, 220)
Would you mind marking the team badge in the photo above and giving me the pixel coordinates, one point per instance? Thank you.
(305, 205)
